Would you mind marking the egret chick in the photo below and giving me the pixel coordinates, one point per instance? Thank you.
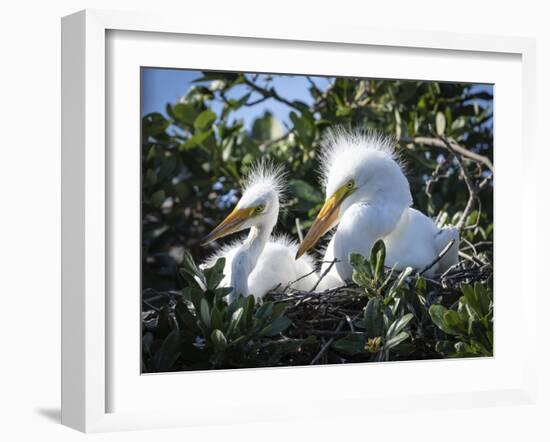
(368, 197)
(260, 262)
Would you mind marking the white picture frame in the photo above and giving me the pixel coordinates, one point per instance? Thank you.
(87, 203)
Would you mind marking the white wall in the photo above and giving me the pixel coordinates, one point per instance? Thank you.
(29, 190)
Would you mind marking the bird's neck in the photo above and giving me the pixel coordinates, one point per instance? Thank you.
(255, 243)
(247, 257)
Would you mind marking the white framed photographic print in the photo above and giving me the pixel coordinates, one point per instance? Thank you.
(251, 212)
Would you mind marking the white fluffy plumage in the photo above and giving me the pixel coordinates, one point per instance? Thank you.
(275, 265)
(376, 206)
(342, 147)
(264, 176)
(259, 262)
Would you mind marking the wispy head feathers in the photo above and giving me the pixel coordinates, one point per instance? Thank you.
(351, 145)
(265, 174)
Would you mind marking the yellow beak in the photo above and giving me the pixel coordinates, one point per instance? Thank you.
(229, 225)
(324, 221)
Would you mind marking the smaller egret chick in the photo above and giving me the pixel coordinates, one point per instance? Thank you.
(260, 262)
(369, 198)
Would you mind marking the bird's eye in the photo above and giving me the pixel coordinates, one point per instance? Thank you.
(349, 184)
(260, 208)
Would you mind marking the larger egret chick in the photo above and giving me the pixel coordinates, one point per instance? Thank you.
(368, 197)
(260, 262)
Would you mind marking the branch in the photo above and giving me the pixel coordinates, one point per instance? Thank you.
(330, 334)
(327, 345)
(314, 86)
(270, 93)
(290, 284)
(438, 258)
(458, 151)
(258, 101)
(324, 274)
(473, 190)
(299, 229)
(264, 146)
(444, 143)
(323, 98)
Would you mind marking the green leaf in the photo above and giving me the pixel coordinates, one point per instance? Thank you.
(184, 113)
(264, 312)
(194, 296)
(377, 259)
(157, 199)
(479, 333)
(399, 282)
(218, 340)
(478, 297)
(205, 313)
(343, 111)
(437, 313)
(444, 347)
(221, 292)
(303, 126)
(459, 123)
(234, 321)
(236, 104)
(278, 349)
(464, 350)
(150, 178)
(278, 325)
(169, 351)
(485, 297)
(398, 129)
(267, 128)
(440, 123)
(216, 75)
(197, 139)
(361, 274)
(249, 304)
(421, 285)
(163, 324)
(154, 124)
(373, 319)
(471, 298)
(205, 119)
(395, 340)
(182, 190)
(304, 109)
(278, 309)
(305, 191)
(191, 272)
(454, 323)
(389, 316)
(186, 320)
(214, 275)
(146, 343)
(399, 325)
(168, 166)
(216, 318)
(350, 345)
